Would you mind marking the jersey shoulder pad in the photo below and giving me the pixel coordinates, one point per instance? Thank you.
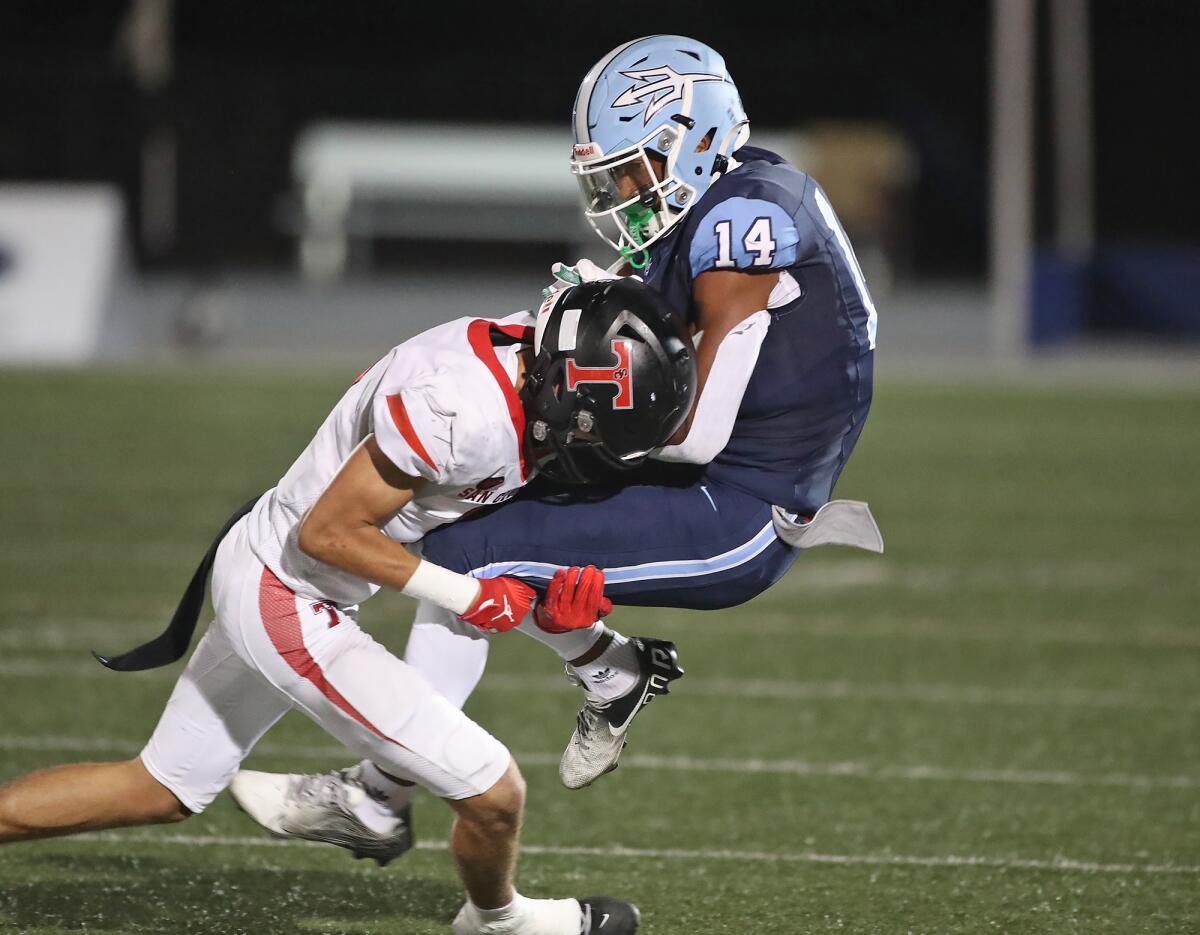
(744, 233)
(413, 423)
(439, 424)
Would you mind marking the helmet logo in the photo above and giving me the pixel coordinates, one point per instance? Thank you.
(659, 87)
(586, 151)
(618, 375)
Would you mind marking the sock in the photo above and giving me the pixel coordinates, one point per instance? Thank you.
(569, 645)
(381, 814)
(524, 915)
(614, 672)
(504, 913)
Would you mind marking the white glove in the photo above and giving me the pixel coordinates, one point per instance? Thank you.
(583, 271)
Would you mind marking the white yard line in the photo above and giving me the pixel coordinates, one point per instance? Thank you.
(70, 636)
(22, 627)
(1061, 864)
(331, 755)
(767, 622)
(935, 694)
(776, 689)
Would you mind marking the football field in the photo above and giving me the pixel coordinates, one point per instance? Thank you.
(994, 727)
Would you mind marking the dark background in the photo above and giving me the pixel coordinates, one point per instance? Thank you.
(248, 75)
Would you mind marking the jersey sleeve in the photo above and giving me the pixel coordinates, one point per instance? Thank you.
(419, 417)
(414, 431)
(744, 234)
(431, 423)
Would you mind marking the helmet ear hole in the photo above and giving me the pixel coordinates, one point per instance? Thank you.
(705, 144)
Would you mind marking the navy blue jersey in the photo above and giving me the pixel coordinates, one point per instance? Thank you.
(808, 396)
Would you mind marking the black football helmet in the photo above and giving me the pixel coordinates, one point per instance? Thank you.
(614, 376)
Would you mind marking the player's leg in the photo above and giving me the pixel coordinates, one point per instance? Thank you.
(484, 839)
(700, 545)
(380, 707)
(217, 710)
(452, 654)
(688, 545)
(532, 538)
(723, 563)
(84, 797)
(376, 705)
(448, 652)
(484, 842)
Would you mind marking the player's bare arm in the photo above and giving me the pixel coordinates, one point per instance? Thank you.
(724, 299)
(343, 527)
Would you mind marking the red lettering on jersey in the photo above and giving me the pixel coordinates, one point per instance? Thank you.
(322, 607)
(618, 375)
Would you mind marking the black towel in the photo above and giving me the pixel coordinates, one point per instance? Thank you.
(170, 645)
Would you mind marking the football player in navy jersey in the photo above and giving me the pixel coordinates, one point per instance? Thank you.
(748, 248)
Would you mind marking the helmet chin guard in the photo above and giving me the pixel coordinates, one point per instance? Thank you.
(613, 378)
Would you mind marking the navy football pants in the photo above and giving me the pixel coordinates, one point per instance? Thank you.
(702, 545)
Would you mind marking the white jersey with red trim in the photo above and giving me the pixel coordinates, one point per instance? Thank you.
(442, 407)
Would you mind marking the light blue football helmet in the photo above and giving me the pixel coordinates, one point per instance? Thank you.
(668, 98)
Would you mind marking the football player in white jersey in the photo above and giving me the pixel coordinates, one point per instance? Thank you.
(458, 418)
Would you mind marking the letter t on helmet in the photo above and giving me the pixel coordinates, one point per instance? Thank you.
(614, 376)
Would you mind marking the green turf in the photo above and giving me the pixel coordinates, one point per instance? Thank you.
(921, 742)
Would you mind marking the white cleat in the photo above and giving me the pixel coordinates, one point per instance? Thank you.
(592, 915)
(601, 726)
(320, 807)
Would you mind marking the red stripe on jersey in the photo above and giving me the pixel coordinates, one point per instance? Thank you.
(404, 424)
(277, 607)
(479, 334)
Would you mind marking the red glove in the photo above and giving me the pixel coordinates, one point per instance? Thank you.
(574, 600)
(501, 605)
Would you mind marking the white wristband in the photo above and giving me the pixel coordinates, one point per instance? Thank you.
(449, 589)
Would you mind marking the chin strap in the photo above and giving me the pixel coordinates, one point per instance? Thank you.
(635, 258)
(638, 217)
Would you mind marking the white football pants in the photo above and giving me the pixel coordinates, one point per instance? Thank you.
(268, 651)
(452, 654)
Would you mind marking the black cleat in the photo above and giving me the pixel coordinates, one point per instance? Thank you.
(603, 915)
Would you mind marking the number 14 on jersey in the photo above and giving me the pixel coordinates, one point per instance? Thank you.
(757, 240)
